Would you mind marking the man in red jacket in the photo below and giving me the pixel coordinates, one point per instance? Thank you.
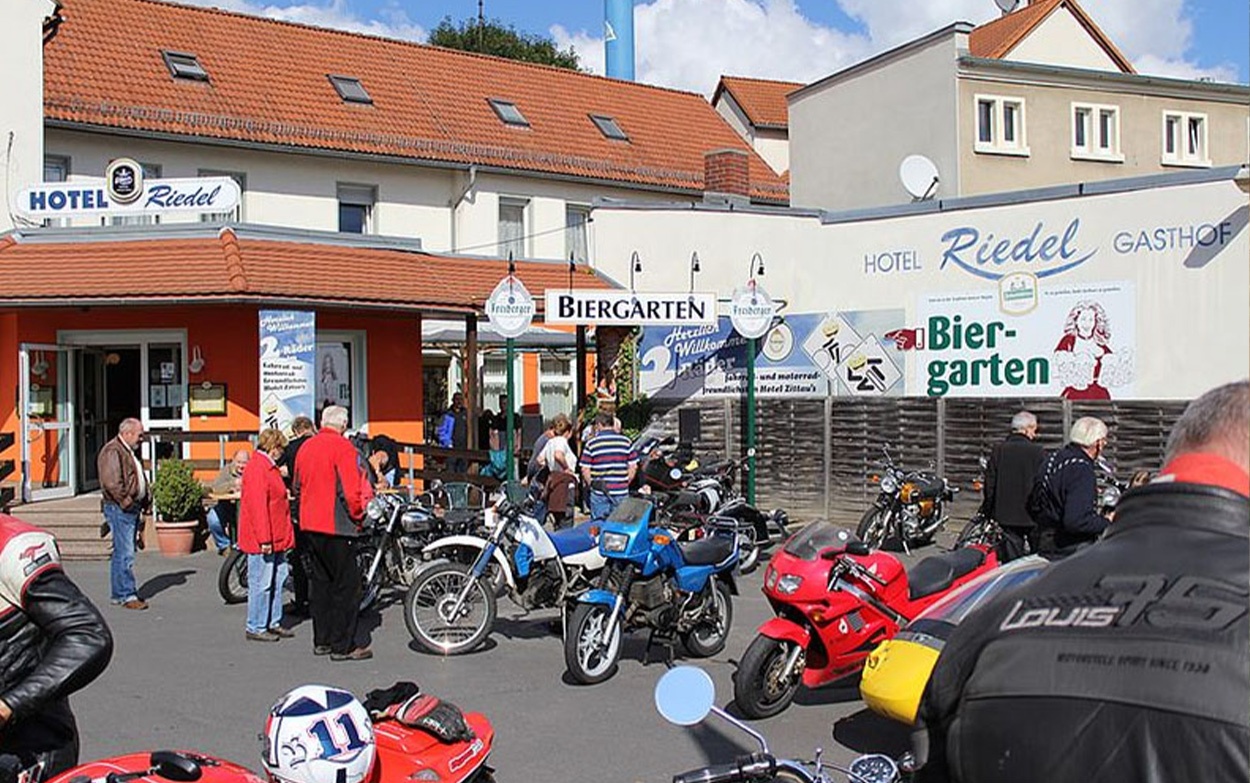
(332, 492)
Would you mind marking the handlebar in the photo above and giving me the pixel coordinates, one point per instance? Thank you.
(859, 570)
(752, 767)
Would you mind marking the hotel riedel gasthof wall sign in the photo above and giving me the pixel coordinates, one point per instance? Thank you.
(125, 191)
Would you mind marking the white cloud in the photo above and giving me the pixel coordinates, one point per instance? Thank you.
(334, 14)
(688, 44)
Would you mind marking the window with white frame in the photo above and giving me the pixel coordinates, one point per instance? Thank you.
(356, 208)
(1096, 132)
(1185, 139)
(576, 245)
(55, 169)
(1000, 125)
(150, 171)
(235, 215)
(555, 385)
(512, 227)
(495, 380)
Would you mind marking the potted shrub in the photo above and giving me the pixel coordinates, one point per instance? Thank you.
(178, 501)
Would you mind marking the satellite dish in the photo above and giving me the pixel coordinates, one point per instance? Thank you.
(919, 176)
(1007, 6)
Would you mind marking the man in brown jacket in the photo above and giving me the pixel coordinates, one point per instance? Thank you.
(125, 490)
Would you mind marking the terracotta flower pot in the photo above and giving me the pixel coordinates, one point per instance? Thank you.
(176, 539)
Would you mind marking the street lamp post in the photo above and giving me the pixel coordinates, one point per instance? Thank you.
(510, 350)
(751, 344)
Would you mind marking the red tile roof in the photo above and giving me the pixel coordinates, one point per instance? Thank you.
(762, 100)
(191, 266)
(996, 39)
(268, 85)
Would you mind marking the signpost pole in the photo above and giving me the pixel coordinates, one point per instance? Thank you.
(751, 420)
(511, 346)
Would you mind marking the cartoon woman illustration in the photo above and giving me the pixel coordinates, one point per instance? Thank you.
(329, 380)
(1086, 339)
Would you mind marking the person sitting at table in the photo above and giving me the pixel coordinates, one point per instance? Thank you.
(225, 512)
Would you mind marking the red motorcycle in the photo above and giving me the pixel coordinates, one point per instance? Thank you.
(836, 600)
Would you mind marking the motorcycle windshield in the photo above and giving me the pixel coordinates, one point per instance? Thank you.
(631, 511)
(809, 542)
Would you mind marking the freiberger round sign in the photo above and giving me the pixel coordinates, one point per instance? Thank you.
(751, 311)
(123, 180)
(510, 308)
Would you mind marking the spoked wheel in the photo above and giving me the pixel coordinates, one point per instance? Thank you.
(232, 578)
(590, 657)
(748, 550)
(369, 588)
(874, 526)
(760, 688)
(430, 610)
(709, 636)
(979, 530)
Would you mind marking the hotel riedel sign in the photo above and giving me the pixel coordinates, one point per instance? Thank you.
(125, 191)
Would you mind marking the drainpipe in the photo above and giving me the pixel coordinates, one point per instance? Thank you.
(458, 200)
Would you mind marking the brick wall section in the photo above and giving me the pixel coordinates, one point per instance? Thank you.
(726, 171)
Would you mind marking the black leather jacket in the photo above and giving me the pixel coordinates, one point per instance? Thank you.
(52, 643)
(1129, 661)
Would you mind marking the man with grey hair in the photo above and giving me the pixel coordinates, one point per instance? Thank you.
(1064, 502)
(1128, 660)
(1009, 475)
(125, 495)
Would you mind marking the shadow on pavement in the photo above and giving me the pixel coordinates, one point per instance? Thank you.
(837, 693)
(717, 745)
(162, 582)
(868, 732)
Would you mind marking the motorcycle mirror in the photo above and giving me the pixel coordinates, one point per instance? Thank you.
(831, 553)
(751, 452)
(983, 462)
(174, 766)
(684, 695)
(675, 474)
(858, 548)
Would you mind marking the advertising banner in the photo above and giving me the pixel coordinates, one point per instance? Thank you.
(288, 352)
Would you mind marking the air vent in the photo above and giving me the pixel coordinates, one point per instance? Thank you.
(185, 66)
(508, 112)
(608, 127)
(349, 89)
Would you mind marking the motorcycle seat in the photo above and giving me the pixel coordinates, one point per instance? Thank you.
(928, 486)
(573, 540)
(685, 497)
(707, 551)
(935, 574)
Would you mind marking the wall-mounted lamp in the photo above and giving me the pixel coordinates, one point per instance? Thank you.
(40, 368)
(757, 270)
(635, 266)
(197, 360)
(694, 268)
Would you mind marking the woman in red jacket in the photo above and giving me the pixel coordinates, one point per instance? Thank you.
(265, 535)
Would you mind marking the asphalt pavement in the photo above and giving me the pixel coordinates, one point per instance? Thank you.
(184, 677)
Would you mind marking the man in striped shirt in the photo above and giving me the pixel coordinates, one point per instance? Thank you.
(608, 465)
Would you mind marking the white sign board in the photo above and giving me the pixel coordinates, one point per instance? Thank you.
(626, 308)
(159, 196)
(751, 311)
(510, 308)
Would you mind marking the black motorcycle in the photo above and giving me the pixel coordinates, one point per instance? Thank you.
(910, 506)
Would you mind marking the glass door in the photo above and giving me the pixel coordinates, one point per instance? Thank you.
(48, 429)
(93, 414)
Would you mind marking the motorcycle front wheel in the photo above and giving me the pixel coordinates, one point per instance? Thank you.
(590, 657)
(708, 637)
(232, 578)
(759, 690)
(369, 588)
(979, 530)
(874, 527)
(429, 604)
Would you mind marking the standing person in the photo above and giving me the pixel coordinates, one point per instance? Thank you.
(532, 467)
(124, 490)
(1009, 476)
(332, 492)
(453, 432)
(302, 429)
(1063, 500)
(1127, 661)
(265, 536)
(608, 466)
(226, 512)
(53, 642)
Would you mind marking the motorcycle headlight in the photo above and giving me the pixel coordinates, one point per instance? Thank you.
(770, 578)
(889, 484)
(788, 584)
(375, 509)
(614, 542)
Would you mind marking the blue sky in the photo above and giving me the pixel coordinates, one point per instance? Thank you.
(688, 43)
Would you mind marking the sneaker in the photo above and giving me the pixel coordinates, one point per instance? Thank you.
(135, 603)
(321, 649)
(358, 654)
(281, 632)
(263, 636)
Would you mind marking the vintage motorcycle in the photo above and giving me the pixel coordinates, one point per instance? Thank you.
(450, 608)
(653, 581)
(911, 506)
(685, 695)
(835, 600)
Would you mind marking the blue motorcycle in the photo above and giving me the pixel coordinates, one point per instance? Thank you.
(678, 590)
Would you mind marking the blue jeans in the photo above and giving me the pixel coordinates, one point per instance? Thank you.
(122, 566)
(602, 504)
(265, 576)
(217, 528)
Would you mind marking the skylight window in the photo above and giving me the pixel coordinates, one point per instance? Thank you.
(349, 89)
(608, 127)
(508, 112)
(185, 66)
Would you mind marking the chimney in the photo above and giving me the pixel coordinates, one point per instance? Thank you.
(726, 177)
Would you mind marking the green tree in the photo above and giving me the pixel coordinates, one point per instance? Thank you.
(495, 38)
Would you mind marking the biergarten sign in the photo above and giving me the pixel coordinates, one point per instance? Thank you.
(510, 308)
(628, 308)
(126, 193)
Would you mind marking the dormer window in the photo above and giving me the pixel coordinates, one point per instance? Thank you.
(349, 89)
(508, 112)
(185, 66)
(608, 127)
